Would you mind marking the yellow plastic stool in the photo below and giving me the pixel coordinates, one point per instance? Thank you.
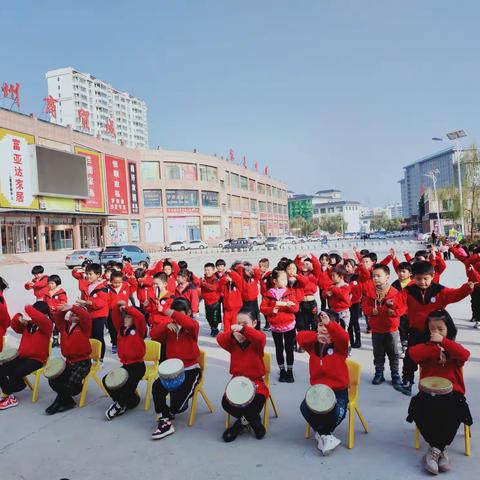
(467, 433)
(199, 390)
(152, 354)
(96, 364)
(38, 374)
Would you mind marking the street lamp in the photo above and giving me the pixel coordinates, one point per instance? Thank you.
(455, 136)
(432, 175)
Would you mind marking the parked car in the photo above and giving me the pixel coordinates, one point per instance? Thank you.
(289, 240)
(177, 246)
(273, 242)
(117, 252)
(257, 240)
(225, 242)
(239, 243)
(77, 257)
(197, 245)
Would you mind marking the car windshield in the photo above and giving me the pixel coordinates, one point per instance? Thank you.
(272, 239)
(195, 241)
(80, 252)
(113, 249)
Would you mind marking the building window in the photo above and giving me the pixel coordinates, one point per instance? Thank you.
(182, 198)
(268, 190)
(244, 183)
(331, 210)
(269, 207)
(339, 209)
(150, 171)
(252, 185)
(253, 205)
(245, 204)
(208, 173)
(152, 198)
(229, 201)
(261, 189)
(210, 199)
(234, 179)
(227, 178)
(180, 171)
(262, 207)
(235, 203)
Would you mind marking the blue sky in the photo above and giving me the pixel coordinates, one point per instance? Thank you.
(328, 93)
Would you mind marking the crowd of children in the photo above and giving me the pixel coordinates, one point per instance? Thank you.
(406, 317)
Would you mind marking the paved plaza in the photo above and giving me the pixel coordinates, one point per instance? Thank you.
(81, 444)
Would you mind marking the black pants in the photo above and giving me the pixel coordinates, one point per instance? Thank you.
(252, 305)
(178, 398)
(403, 329)
(126, 395)
(70, 382)
(438, 417)
(305, 317)
(475, 300)
(98, 327)
(386, 344)
(12, 373)
(354, 325)
(213, 313)
(111, 330)
(323, 301)
(284, 341)
(409, 366)
(251, 412)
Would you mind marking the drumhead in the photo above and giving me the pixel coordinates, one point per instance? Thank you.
(170, 368)
(436, 385)
(54, 367)
(116, 378)
(320, 398)
(8, 354)
(240, 391)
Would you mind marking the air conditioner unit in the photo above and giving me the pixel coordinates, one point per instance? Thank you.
(43, 205)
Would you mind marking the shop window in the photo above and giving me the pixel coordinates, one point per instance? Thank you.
(208, 173)
(150, 171)
(180, 171)
(210, 199)
(182, 198)
(152, 198)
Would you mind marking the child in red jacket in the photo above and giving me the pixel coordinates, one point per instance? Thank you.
(131, 330)
(186, 289)
(160, 301)
(439, 416)
(323, 279)
(384, 305)
(246, 347)
(33, 351)
(339, 294)
(280, 305)
(180, 337)
(328, 351)
(39, 282)
(356, 303)
(4, 315)
(54, 297)
(423, 297)
(230, 288)
(75, 326)
(264, 271)
(144, 289)
(94, 296)
(211, 296)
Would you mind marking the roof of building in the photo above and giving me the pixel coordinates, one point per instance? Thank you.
(330, 190)
(337, 202)
(431, 156)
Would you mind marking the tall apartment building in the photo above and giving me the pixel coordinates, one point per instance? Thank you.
(93, 106)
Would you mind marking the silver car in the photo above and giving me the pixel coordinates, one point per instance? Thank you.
(77, 257)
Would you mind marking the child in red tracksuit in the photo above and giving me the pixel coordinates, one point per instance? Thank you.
(160, 300)
(186, 289)
(131, 331)
(170, 268)
(328, 351)
(80, 275)
(180, 337)
(434, 257)
(127, 269)
(264, 271)
(39, 283)
(33, 351)
(94, 296)
(144, 289)
(230, 288)
(75, 327)
(279, 305)
(4, 315)
(384, 305)
(54, 297)
(211, 296)
(250, 285)
(423, 297)
(246, 347)
(439, 416)
(356, 303)
(339, 294)
(324, 279)
(308, 270)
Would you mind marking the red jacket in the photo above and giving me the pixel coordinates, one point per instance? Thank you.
(211, 290)
(311, 277)
(39, 286)
(122, 295)
(75, 340)
(35, 341)
(183, 344)
(130, 341)
(300, 285)
(82, 280)
(383, 322)
(190, 293)
(127, 270)
(246, 361)
(324, 279)
(420, 303)
(99, 298)
(285, 315)
(355, 289)
(427, 355)
(4, 319)
(328, 366)
(249, 285)
(156, 300)
(53, 300)
(264, 279)
(340, 298)
(438, 263)
(144, 288)
(231, 291)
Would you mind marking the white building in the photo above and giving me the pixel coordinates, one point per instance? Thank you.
(93, 106)
(330, 203)
(394, 210)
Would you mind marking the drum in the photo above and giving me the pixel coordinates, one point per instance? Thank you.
(171, 373)
(7, 355)
(435, 386)
(320, 399)
(54, 368)
(116, 379)
(240, 391)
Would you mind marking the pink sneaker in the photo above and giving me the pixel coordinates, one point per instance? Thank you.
(8, 402)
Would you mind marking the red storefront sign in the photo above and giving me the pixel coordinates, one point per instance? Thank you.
(183, 210)
(94, 178)
(117, 196)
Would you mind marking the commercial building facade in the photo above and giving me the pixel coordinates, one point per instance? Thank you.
(80, 95)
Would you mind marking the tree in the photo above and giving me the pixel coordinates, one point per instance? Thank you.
(470, 171)
(302, 226)
(333, 224)
(379, 222)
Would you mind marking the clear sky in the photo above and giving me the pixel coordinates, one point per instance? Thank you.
(328, 93)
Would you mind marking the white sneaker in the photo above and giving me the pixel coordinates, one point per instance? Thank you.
(330, 443)
(477, 325)
(115, 410)
(319, 440)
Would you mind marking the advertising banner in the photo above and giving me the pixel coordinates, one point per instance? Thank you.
(133, 182)
(95, 181)
(116, 185)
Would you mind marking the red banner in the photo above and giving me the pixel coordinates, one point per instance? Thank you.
(94, 178)
(117, 196)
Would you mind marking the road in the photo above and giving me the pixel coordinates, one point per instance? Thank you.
(81, 444)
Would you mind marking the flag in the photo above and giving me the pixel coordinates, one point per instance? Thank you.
(266, 170)
(256, 166)
(245, 165)
(231, 155)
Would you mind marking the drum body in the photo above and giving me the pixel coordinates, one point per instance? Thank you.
(435, 386)
(7, 355)
(171, 373)
(240, 391)
(116, 379)
(320, 399)
(54, 368)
